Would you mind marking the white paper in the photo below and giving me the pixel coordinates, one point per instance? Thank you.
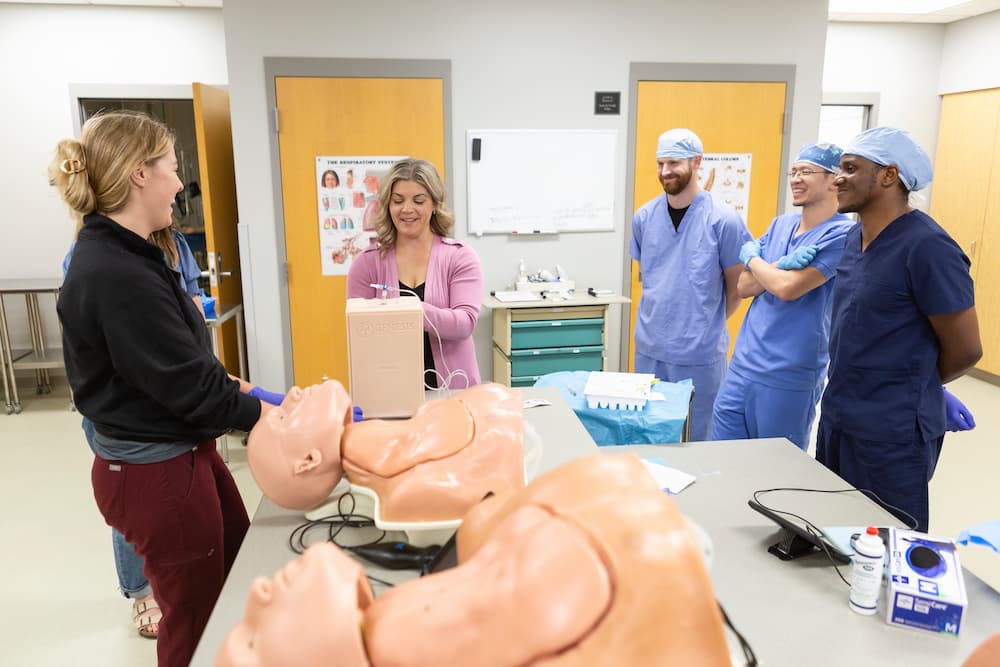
(508, 297)
(534, 403)
(668, 478)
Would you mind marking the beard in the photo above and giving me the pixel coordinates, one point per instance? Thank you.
(676, 185)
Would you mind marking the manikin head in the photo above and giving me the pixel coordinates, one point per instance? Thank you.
(309, 613)
(294, 450)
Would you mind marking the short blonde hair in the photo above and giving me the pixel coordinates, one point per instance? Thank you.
(93, 174)
(424, 173)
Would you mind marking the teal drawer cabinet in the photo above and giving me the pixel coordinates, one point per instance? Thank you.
(535, 334)
(553, 359)
(536, 338)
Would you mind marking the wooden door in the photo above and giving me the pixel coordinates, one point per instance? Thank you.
(988, 273)
(965, 195)
(339, 117)
(218, 188)
(729, 117)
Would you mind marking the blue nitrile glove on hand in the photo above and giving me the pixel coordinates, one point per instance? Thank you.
(208, 306)
(958, 416)
(266, 396)
(749, 250)
(798, 259)
(358, 414)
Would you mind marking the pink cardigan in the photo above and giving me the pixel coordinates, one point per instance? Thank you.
(453, 293)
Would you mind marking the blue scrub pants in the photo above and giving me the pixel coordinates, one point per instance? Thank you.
(706, 380)
(897, 472)
(747, 409)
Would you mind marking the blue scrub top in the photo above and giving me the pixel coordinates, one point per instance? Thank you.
(186, 265)
(187, 268)
(682, 313)
(884, 379)
(784, 344)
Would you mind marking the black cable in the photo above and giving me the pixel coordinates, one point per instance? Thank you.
(748, 653)
(814, 530)
(334, 524)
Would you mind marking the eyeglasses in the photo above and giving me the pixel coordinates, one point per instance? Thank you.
(802, 172)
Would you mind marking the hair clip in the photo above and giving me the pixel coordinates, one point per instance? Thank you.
(71, 166)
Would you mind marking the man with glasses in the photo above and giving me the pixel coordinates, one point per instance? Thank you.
(904, 321)
(687, 245)
(775, 377)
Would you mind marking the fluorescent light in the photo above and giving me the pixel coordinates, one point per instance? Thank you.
(892, 6)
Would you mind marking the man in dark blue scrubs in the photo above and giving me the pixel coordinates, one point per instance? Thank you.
(903, 323)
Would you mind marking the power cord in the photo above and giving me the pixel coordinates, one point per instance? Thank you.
(444, 381)
(814, 530)
(748, 654)
(334, 524)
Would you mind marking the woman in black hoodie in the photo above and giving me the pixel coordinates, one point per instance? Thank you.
(140, 364)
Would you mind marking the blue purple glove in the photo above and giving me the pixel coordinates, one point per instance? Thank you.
(798, 259)
(358, 414)
(266, 396)
(958, 416)
(749, 250)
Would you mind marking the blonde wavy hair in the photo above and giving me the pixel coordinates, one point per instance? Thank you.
(424, 173)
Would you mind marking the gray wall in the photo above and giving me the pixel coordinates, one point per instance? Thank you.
(517, 64)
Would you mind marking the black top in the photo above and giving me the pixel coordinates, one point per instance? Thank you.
(137, 352)
(676, 215)
(430, 377)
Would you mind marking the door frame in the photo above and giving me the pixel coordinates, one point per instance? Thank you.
(709, 72)
(126, 91)
(854, 99)
(372, 68)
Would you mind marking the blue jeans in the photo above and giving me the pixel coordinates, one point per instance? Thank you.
(131, 581)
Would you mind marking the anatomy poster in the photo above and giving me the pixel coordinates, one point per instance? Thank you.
(347, 201)
(727, 177)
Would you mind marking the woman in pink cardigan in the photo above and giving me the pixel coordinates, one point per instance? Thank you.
(415, 255)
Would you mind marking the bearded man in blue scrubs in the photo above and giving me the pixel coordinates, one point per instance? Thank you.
(776, 375)
(904, 321)
(688, 249)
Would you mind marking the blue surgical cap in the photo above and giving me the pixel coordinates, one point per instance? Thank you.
(824, 156)
(679, 142)
(891, 146)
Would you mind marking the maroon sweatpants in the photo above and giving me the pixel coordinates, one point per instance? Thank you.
(187, 520)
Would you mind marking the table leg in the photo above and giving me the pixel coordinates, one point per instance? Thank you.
(4, 363)
(5, 345)
(37, 341)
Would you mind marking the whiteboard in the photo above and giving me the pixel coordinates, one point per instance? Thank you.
(541, 181)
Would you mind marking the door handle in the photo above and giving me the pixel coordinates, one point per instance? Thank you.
(217, 269)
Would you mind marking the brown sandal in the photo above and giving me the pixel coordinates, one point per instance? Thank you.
(146, 616)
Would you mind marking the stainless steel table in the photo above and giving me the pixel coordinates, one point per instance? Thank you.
(36, 358)
(265, 548)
